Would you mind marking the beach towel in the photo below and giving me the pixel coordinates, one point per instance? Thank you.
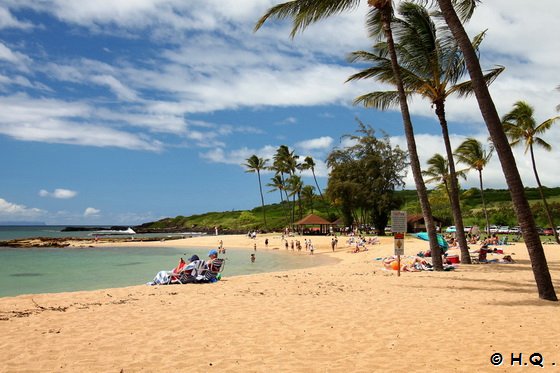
(162, 278)
(165, 277)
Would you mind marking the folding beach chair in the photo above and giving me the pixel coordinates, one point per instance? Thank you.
(215, 268)
(191, 272)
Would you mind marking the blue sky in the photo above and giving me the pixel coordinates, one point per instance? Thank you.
(123, 112)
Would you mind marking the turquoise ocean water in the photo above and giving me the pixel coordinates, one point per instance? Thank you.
(48, 270)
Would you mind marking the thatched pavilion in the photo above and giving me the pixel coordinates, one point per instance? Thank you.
(314, 224)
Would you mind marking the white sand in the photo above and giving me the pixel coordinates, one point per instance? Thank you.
(352, 316)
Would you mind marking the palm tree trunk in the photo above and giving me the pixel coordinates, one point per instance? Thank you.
(317, 184)
(262, 200)
(290, 211)
(411, 143)
(284, 207)
(447, 190)
(511, 173)
(546, 208)
(454, 192)
(484, 203)
(300, 206)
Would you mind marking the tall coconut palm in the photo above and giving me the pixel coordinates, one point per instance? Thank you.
(305, 12)
(295, 186)
(438, 172)
(256, 164)
(308, 193)
(309, 164)
(472, 153)
(279, 165)
(431, 65)
(277, 184)
(521, 127)
(488, 110)
(286, 164)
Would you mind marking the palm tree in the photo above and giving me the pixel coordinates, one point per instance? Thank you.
(438, 172)
(500, 141)
(256, 164)
(295, 186)
(305, 12)
(277, 184)
(472, 153)
(286, 164)
(307, 193)
(520, 127)
(309, 164)
(279, 167)
(431, 65)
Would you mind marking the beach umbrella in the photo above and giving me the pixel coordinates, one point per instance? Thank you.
(441, 241)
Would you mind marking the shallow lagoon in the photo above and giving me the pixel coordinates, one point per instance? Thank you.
(42, 270)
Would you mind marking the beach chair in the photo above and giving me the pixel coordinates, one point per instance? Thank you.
(168, 277)
(213, 271)
(191, 273)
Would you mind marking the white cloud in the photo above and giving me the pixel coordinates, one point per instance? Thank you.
(218, 155)
(288, 120)
(53, 121)
(238, 156)
(19, 60)
(58, 193)
(321, 143)
(7, 20)
(493, 177)
(13, 211)
(122, 92)
(91, 212)
(204, 72)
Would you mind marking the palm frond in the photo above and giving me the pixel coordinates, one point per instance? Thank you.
(463, 8)
(544, 126)
(543, 144)
(305, 12)
(465, 89)
(379, 100)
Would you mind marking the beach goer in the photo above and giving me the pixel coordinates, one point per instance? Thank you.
(333, 244)
(266, 243)
(193, 270)
(165, 277)
(482, 253)
(211, 275)
(253, 258)
(255, 246)
(212, 254)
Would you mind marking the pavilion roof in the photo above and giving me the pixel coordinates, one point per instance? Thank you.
(313, 219)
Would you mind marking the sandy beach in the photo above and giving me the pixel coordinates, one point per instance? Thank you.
(352, 316)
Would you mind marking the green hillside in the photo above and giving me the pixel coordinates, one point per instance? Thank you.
(498, 202)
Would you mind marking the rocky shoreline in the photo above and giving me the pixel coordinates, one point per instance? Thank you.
(50, 242)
